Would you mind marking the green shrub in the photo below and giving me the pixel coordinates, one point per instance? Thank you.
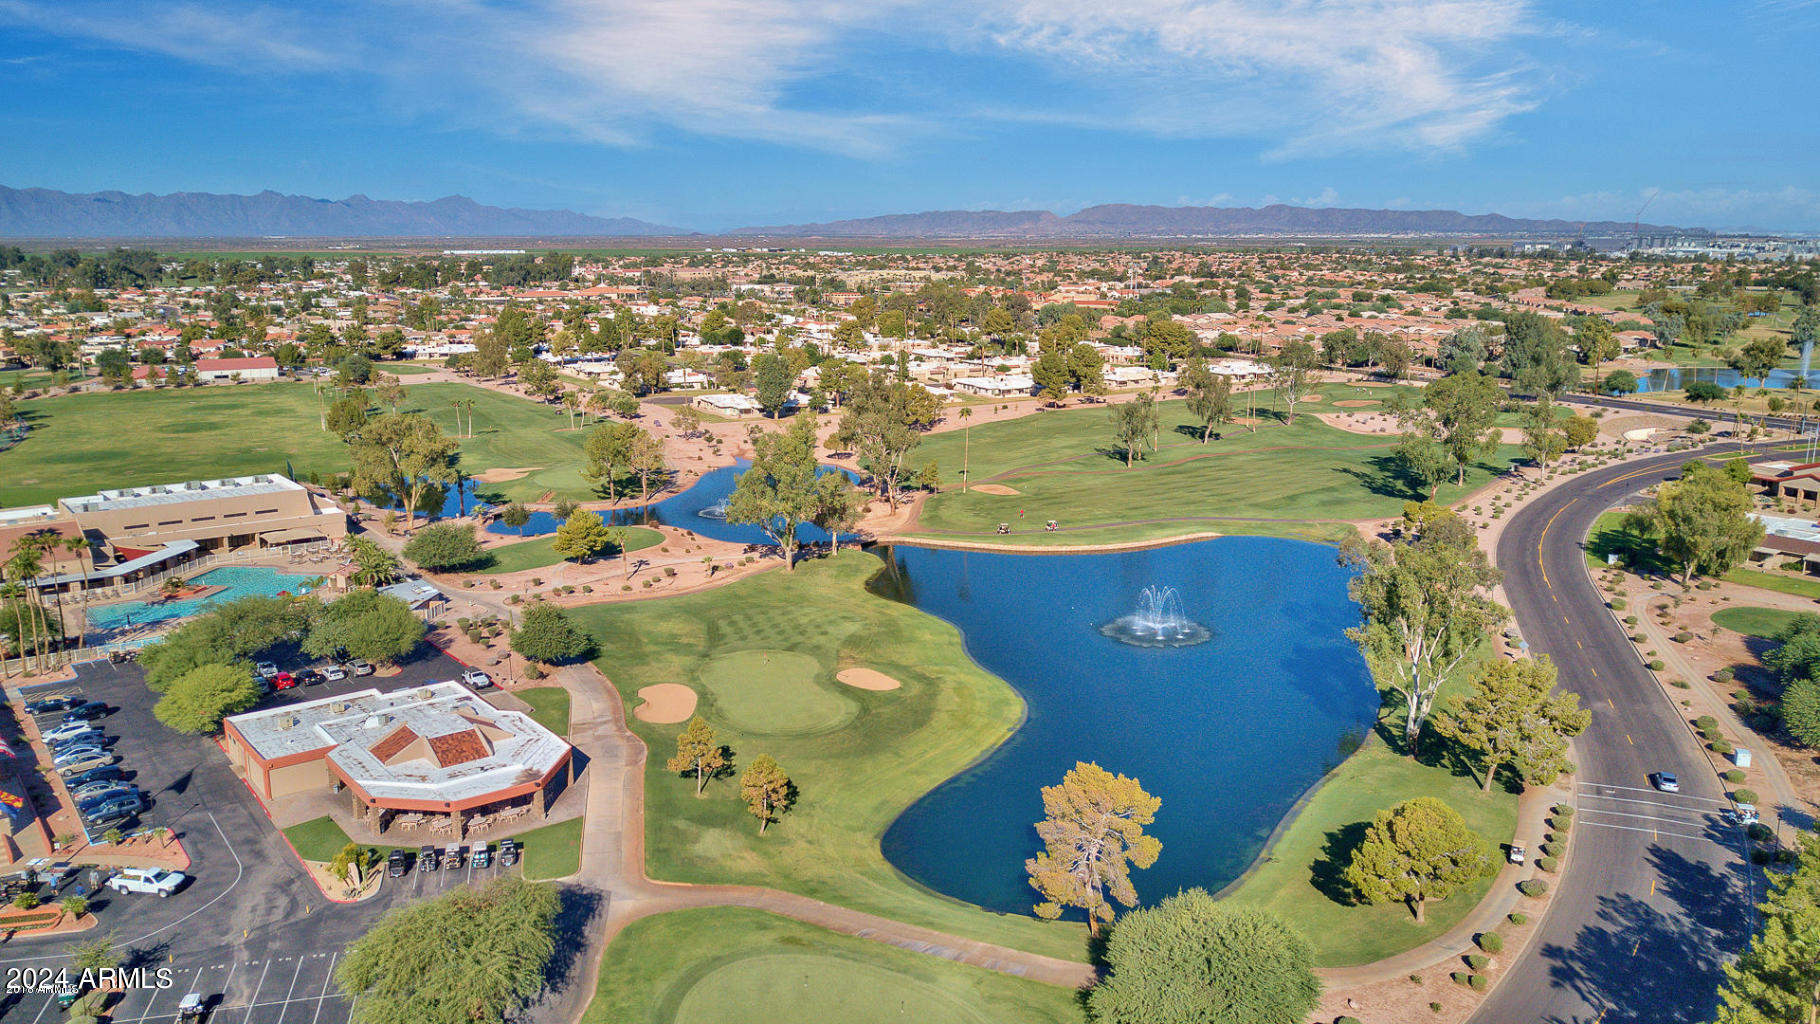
(1679, 684)
(1682, 637)
(1347, 1020)
(1723, 747)
(1477, 961)
(1564, 810)
(1630, 620)
(1617, 604)
(1459, 977)
(1491, 942)
(1478, 982)
(1436, 1007)
(1546, 864)
(1533, 888)
(1759, 856)
(1552, 849)
(1656, 665)
(1734, 776)
(1706, 722)
(1519, 918)
(1745, 796)
(1759, 832)
(1724, 675)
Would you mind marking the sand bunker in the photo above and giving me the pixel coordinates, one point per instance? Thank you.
(1313, 398)
(1355, 403)
(1371, 384)
(1245, 421)
(995, 489)
(665, 703)
(501, 474)
(867, 679)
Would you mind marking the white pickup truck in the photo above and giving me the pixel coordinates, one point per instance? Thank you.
(158, 882)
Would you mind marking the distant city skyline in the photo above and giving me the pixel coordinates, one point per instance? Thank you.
(711, 114)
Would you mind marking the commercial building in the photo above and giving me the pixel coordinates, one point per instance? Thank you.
(264, 510)
(436, 760)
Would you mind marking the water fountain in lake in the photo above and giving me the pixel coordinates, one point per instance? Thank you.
(718, 510)
(1158, 621)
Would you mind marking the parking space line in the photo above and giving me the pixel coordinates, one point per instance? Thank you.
(253, 1000)
(325, 989)
(1645, 817)
(293, 988)
(1658, 833)
(48, 1000)
(1664, 804)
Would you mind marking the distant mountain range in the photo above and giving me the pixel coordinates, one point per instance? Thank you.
(1122, 220)
(47, 213)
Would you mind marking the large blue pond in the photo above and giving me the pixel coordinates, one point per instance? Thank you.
(1673, 379)
(682, 510)
(1228, 733)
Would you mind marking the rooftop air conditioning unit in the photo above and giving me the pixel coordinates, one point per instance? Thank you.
(425, 693)
(374, 721)
(287, 722)
(339, 706)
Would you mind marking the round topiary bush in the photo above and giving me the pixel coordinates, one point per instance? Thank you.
(1630, 620)
(1478, 983)
(1491, 942)
(1459, 977)
(1617, 604)
(1759, 856)
(1706, 722)
(1656, 665)
(1436, 1007)
(1533, 887)
(1745, 796)
(1734, 776)
(1519, 918)
(1347, 1020)
(1682, 637)
(1477, 961)
(1546, 864)
(1723, 747)
(1724, 675)
(1759, 832)
(1564, 810)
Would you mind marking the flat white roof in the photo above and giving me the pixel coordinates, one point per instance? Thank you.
(171, 494)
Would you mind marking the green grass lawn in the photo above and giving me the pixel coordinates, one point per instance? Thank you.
(81, 443)
(549, 707)
(1281, 477)
(1609, 536)
(858, 761)
(1797, 586)
(553, 851)
(1299, 875)
(541, 551)
(1764, 622)
(317, 839)
(723, 964)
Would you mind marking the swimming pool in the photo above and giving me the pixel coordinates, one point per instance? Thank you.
(238, 581)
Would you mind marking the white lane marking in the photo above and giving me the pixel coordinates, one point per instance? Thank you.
(253, 1000)
(239, 873)
(52, 998)
(1642, 789)
(1645, 817)
(1652, 831)
(1664, 805)
(289, 991)
(325, 988)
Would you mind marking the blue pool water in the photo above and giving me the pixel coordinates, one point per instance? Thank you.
(1227, 733)
(683, 511)
(239, 581)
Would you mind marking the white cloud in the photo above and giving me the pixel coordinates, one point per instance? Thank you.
(1305, 76)
(1789, 207)
(1327, 197)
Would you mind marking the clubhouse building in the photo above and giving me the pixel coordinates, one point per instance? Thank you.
(432, 762)
(137, 531)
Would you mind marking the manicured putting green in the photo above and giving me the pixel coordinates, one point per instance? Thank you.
(801, 988)
(780, 693)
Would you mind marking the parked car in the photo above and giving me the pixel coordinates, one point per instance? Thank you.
(106, 773)
(112, 817)
(428, 859)
(1667, 783)
(508, 852)
(108, 797)
(76, 764)
(89, 789)
(334, 673)
(69, 756)
(87, 711)
(360, 668)
(283, 681)
(266, 669)
(153, 881)
(308, 676)
(116, 808)
(85, 738)
(483, 856)
(452, 856)
(192, 1007)
(395, 863)
(67, 731)
(47, 705)
(477, 679)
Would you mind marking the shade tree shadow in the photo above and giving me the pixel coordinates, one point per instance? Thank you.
(1337, 849)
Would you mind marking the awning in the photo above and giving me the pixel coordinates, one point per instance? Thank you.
(302, 533)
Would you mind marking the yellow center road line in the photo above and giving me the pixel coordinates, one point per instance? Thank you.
(1579, 645)
(1628, 740)
(1635, 948)
(1610, 705)
(1652, 887)
(1594, 671)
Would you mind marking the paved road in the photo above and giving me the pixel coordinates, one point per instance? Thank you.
(1656, 893)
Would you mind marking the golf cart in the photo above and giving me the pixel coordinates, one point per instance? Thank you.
(452, 856)
(483, 855)
(67, 994)
(394, 864)
(427, 860)
(192, 1007)
(1517, 852)
(508, 852)
(1742, 814)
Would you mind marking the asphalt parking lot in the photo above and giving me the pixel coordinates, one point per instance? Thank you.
(126, 727)
(281, 990)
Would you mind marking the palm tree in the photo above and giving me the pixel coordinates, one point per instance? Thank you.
(23, 568)
(966, 443)
(13, 593)
(172, 586)
(78, 546)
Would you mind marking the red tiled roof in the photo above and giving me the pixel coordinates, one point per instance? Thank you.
(391, 743)
(458, 747)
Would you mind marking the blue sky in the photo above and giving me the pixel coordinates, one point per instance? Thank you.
(718, 113)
